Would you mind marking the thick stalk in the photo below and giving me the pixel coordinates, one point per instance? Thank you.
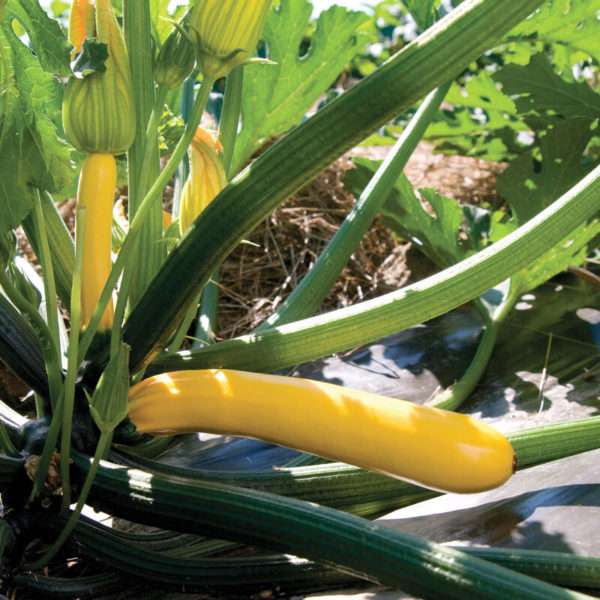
(307, 297)
(101, 449)
(61, 242)
(434, 58)
(457, 393)
(368, 321)
(72, 358)
(187, 103)
(135, 226)
(304, 529)
(149, 255)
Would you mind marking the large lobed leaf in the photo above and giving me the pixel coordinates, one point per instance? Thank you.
(277, 96)
(571, 23)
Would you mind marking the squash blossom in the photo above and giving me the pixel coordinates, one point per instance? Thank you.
(81, 23)
(227, 32)
(98, 108)
(207, 178)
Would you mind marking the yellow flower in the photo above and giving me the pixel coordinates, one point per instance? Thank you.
(207, 178)
(81, 23)
(227, 32)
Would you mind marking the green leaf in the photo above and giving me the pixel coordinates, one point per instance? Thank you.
(539, 90)
(572, 23)
(47, 38)
(276, 97)
(424, 12)
(435, 232)
(571, 252)
(31, 150)
(537, 178)
(159, 10)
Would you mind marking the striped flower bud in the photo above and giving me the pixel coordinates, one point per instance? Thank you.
(175, 60)
(207, 178)
(227, 32)
(98, 109)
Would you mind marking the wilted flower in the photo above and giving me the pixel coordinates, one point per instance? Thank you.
(207, 178)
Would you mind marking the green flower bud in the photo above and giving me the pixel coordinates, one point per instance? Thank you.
(227, 32)
(176, 60)
(98, 108)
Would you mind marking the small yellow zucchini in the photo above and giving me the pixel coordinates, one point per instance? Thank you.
(96, 193)
(431, 447)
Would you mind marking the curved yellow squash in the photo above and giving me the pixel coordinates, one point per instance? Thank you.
(431, 447)
(96, 192)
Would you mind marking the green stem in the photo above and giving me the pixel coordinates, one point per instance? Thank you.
(232, 108)
(187, 103)
(308, 296)
(148, 162)
(47, 451)
(52, 315)
(6, 443)
(184, 326)
(368, 321)
(206, 324)
(136, 224)
(150, 251)
(72, 361)
(101, 449)
(60, 240)
(207, 321)
(455, 395)
(40, 410)
(315, 532)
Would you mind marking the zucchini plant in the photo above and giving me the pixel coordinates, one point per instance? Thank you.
(108, 355)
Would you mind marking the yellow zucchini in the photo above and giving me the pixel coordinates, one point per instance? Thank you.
(431, 447)
(96, 192)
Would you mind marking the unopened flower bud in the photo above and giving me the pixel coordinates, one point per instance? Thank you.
(227, 32)
(98, 108)
(175, 60)
(207, 178)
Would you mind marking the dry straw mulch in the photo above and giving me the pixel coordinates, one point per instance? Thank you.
(260, 274)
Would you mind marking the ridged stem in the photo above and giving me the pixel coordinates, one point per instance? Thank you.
(149, 254)
(52, 315)
(371, 320)
(101, 449)
(72, 357)
(60, 240)
(315, 532)
(228, 128)
(307, 297)
(457, 393)
(434, 58)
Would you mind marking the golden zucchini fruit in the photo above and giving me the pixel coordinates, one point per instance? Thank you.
(431, 447)
(96, 193)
